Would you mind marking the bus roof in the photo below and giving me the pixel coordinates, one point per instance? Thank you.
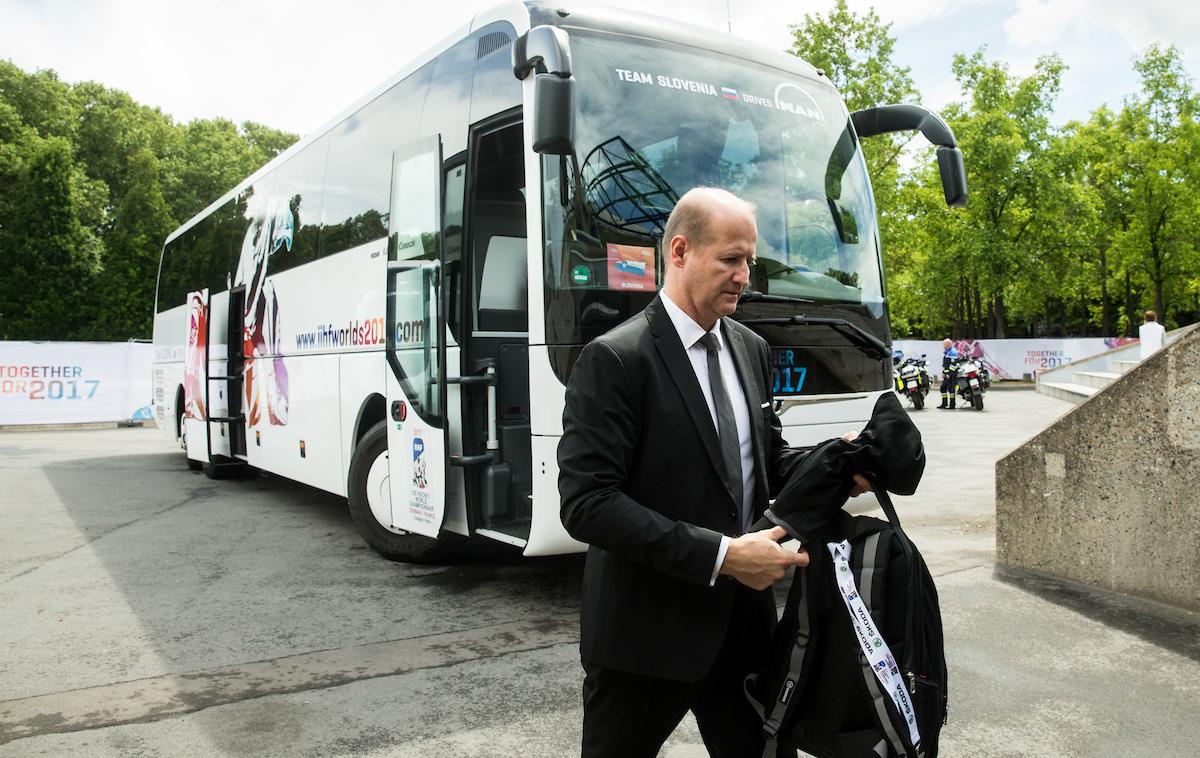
(631, 24)
(514, 12)
(523, 16)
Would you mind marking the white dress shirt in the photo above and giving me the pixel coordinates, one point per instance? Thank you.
(690, 334)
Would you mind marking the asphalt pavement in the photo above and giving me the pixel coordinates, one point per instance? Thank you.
(148, 611)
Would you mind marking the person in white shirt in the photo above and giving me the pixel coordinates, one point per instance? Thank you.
(1150, 334)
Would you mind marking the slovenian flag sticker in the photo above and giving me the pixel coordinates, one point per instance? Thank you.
(729, 93)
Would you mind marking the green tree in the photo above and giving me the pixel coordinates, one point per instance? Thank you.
(213, 156)
(49, 257)
(112, 127)
(41, 101)
(971, 264)
(1095, 148)
(265, 142)
(856, 53)
(1158, 176)
(140, 225)
(90, 179)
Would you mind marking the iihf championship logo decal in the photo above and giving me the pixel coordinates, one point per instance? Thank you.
(419, 479)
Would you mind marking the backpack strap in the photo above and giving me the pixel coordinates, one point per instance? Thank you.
(796, 593)
(885, 502)
(915, 588)
(775, 711)
(871, 568)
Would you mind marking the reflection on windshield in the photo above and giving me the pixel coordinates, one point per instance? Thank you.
(624, 191)
(653, 122)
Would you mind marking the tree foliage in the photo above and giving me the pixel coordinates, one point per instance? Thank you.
(1071, 229)
(91, 183)
(49, 256)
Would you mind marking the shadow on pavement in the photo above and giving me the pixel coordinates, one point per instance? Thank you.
(1168, 627)
(170, 572)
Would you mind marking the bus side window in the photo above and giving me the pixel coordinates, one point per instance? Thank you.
(498, 233)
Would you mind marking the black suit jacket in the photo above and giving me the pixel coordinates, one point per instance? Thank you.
(642, 482)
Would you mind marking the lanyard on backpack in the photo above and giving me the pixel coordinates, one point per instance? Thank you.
(871, 641)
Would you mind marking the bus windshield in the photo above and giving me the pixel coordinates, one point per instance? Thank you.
(655, 120)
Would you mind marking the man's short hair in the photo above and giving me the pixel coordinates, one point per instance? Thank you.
(692, 213)
(1151, 316)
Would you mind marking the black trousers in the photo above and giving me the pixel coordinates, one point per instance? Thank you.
(949, 379)
(630, 715)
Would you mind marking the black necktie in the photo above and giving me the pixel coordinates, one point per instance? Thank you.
(731, 448)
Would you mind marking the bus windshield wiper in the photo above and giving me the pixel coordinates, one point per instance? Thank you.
(754, 296)
(859, 337)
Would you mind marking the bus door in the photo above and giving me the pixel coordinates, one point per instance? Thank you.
(496, 429)
(217, 380)
(235, 366)
(416, 365)
(207, 397)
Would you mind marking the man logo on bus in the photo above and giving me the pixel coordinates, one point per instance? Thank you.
(419, 463)
(789, 98)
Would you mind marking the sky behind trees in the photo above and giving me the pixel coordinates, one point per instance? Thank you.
(295, 64)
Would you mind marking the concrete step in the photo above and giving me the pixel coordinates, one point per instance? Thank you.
(1097, 379)
(1123, 366)
(1075, 393)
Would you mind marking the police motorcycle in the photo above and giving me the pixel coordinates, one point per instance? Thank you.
(970, 384)
(911, 378)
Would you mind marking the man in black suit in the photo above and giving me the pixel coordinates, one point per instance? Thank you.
(670, 450)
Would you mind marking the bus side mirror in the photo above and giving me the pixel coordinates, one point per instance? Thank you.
(545, 51)
(954, 176)
(885, 119)
(553, 114)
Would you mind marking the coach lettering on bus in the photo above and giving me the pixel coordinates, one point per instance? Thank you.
(670, 450)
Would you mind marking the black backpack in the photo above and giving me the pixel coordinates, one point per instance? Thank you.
(818, 692)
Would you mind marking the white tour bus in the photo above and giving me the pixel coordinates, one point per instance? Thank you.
(390, 309)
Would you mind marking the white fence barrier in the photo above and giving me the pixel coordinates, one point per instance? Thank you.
(75, 382)
(1015, 358)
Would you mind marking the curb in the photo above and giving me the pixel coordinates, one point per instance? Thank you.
(74, 427)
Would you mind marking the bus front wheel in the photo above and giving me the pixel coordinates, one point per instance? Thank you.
(370, 505)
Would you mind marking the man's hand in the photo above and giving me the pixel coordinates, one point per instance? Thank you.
(861, 484)
(757, 559)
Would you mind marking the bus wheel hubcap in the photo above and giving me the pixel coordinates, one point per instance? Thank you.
(378, 491)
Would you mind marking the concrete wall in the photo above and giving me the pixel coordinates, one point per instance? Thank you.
(1109, 495)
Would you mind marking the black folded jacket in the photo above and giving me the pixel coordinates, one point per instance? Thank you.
(888, 451)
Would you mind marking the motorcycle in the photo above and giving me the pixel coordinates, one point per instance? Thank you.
(912, 380)
(969, 384)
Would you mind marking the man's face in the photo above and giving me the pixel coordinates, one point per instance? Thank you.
(715, 273)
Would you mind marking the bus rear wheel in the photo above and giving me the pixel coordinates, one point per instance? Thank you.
(192, 465)
(370, 507)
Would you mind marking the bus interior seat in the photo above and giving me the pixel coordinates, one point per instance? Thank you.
(503, 293)
(499, 226)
